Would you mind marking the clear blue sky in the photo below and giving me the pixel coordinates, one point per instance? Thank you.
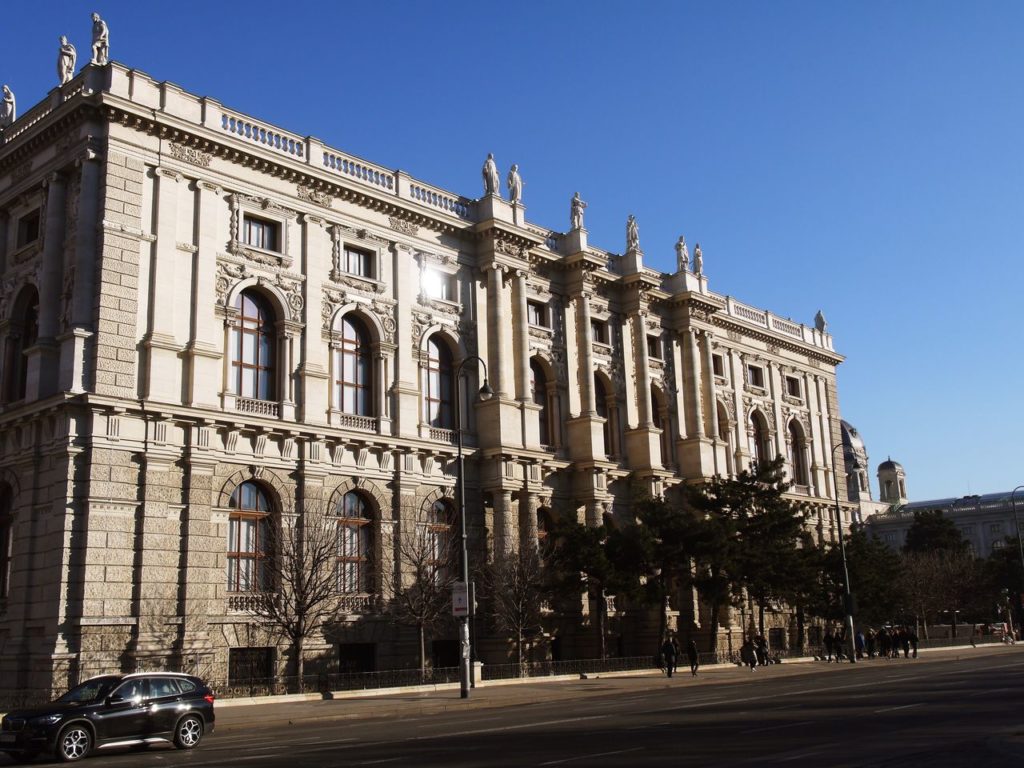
(864, 158)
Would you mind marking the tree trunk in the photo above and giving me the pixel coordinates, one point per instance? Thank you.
(800, 630)
(519, 652)
(423, 650)
(601, 611)
(715, 608)
(760, 616)
(299, 646)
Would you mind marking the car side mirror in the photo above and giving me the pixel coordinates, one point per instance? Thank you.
(114, 699)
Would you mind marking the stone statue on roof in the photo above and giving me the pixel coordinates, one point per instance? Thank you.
(698, 261)
(820, 323)
(100, 41)
(8, 110)
(492, 182)
(66, 57)
(632, 234)
(515, 185)
(682, 255)
(576, 212)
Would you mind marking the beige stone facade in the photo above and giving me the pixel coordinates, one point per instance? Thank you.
(178, 280)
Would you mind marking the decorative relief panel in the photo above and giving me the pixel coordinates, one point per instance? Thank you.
(403, 226)
(189, 155)
(315, 196)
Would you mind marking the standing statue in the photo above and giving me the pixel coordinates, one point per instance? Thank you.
(698, 261)
(66, 58)
(515, 185)
(492, 182)
(100, 41)
(576, 212)
(8, 111)
(632, 234)
(820, 323)
(682, 255)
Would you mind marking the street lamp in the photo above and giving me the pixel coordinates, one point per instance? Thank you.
(847, 596)
(485, 394)
(1020, 546)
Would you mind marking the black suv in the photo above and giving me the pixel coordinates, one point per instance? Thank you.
(112, 711)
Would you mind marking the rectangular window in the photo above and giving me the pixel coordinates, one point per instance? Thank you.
(28, 229)
(537, 314)
(793, 386)
(439, 285)
(599, 330)
(357, 262)
(260, 233)
(755, 376)
(718, 365)
(996, 529)
(250, 665)
(654, 347)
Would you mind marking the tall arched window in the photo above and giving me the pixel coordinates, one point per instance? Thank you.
(798, 454)
(760, 442)
(659, 408)
(438, 539)
(252, 348)
(438, 385)
(6, 537)
(355, 540)
(539, 395)
(353, 369)
(248, 534)
(601, 401)
(22, 335)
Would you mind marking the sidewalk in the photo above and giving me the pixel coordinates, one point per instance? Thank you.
(345, 705)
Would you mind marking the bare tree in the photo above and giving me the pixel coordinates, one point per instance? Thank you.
(300, 570)
(426, 566)
(920, 582)
(518, 587)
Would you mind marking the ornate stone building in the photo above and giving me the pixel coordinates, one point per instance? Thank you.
(205, 317)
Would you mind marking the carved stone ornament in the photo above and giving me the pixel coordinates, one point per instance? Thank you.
(292, 290)
(426, 257)
(67, 292)
(734, 335)
(227, 275)
(315, 196)
(773, 349)
(386, 315)
(189, 155)
(403, 226)
(510, 248)
(21, 171)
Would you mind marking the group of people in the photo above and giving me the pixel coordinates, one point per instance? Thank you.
(670, 656)
(754, 652)
(885, 643)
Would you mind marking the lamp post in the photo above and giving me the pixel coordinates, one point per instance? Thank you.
(1020, 546)
(847, 595)
(485, 394)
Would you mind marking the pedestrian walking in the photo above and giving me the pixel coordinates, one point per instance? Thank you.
(747, 655)
(669, 651)
(827, 641)
(912, 637)
(694, 656)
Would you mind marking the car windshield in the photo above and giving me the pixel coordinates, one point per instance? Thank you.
(89, 691)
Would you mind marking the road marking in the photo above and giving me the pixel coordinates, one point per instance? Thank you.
(776, 727)
(587, 757)
(801, 756)
(378, 762)
(893, 709)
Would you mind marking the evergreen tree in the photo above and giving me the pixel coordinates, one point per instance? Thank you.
(932, 531)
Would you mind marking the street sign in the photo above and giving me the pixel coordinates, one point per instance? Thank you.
(460, 599)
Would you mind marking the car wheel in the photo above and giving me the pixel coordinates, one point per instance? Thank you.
(189, 732)
(74, 743)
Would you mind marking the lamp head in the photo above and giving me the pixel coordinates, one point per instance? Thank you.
(486, 392)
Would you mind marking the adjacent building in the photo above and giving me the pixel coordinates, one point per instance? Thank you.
(206, 318)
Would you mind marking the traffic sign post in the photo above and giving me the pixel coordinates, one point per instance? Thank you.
(460, 599)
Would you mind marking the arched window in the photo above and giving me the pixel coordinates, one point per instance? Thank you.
(252, 348)
(760, 442)
(6, 536)
(438, 539)
(606, 411)
(659, 408)
(353, 369)
(539, 395)
(248, 534)
(21, 337)
(355, 540)
(438, 384)
(798, 454)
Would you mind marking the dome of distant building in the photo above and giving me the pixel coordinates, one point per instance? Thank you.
(890, 466)
(892, 482)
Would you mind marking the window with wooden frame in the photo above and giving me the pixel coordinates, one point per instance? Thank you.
(248, 539)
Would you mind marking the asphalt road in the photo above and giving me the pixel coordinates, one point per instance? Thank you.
(947, 709)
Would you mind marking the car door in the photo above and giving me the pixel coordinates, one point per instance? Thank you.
(164, 704)
(123, 716)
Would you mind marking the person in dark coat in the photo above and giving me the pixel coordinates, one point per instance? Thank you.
(747, 654)
(827, 641)
(669, 651)
(694, 656)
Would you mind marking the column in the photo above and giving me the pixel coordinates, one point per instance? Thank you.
(523, 328)
(680, 382)
(161, 378)
(73, 343)
(695, 380)
(529, 503)
(495, 330)
(205, 346)
(712, 400)
(504, 529)
(586, 370)
(4, 218)
(643, 377)
(42, 359)
(312, 376)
